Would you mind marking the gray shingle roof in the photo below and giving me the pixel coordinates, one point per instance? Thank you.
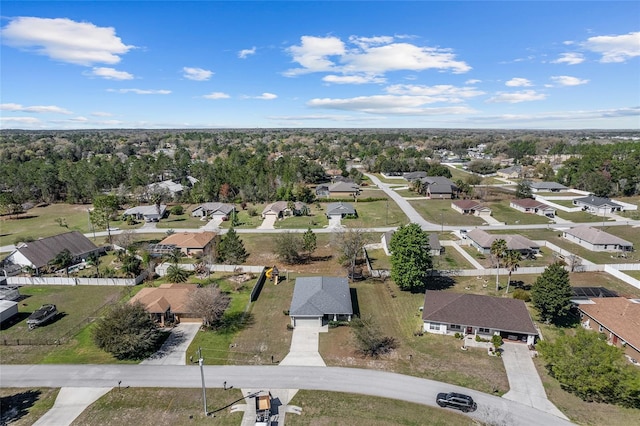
(596, 236)
(496, 313)
(592, 200)
(41, 252)
(216, 207)
(316, 296)
(434, 242)
(548, 185)
(340, 208)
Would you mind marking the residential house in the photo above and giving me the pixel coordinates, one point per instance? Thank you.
(319, 299)
(597, 205)
(435, 248)
(529, 205)
(281, 209)
(448, 313)
(512, 172)
(618, 318)
(413, 176)
(190, 243)
(37, 254)
(438, 187)
(340, 209)
(322, 190)
(168, 187)
(342, 189)
(547, 187)
(470, 207)
(221, 211)
(152, 213)
(595, 239)
(482, 241)
(167, 303)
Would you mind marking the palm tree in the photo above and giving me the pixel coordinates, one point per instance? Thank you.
(94, 260)
(511, 262)
(498, 250)
(176, 274)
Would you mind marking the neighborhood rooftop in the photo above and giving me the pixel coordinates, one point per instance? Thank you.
(617, 314)
(596, 201)
(42, 251)
(596, 236)
(321, 295)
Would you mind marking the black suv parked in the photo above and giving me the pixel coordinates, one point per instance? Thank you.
(456, 400)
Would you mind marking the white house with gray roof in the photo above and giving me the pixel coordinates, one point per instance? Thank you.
(215, 210)
(547, 187)
(340, 209)
(595, 239)
(319, 299)
(597, 205)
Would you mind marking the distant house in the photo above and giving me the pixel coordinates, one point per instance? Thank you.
(438, 187)
(482, 241)
(167, 303)
(220, 211)
(37, 254)
(512, 172)
(167, 186)
(281, 209)
(470, 207)
(529, 205)
(472, 314)
(152, 213)
(340, 209)
(341, 189)
(597, 205)
(595, 239)
(435, 248)
(618, 318)
(547, 187)
(322, 190)
(413, 176)
(190, 243)
(319, 299)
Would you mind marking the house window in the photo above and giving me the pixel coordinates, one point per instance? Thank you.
(454, 327)
(434, 326)
(600, 329)
(483, 330)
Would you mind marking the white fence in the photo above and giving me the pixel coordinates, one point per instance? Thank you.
(161, 269)
(622, 276)
(76, 281)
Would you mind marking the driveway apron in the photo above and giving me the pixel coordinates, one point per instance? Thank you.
(70, 403)
(174, 350)
(524, 382)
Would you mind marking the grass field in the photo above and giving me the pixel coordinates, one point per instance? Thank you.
(440, 212)
(23, 407)
(378, 214)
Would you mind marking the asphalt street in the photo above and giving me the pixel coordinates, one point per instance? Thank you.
(361, 381)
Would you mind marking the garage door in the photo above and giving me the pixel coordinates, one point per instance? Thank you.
(307, 322)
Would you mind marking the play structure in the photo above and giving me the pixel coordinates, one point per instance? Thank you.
(273, 275)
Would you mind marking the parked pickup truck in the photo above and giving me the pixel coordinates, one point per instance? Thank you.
(42, 316)
(263, 410)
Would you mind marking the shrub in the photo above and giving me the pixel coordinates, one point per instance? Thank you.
(457, 335)
(522, 294)
(497, 340)
(370, 340)
(177, 210)
(251, 211)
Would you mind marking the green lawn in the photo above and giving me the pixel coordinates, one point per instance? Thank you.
(451, 259)
(29, 404)
(379, 259)
(502, 212)
(578, 217)
(440, 212)
(378, 214)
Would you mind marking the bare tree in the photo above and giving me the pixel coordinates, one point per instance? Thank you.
(350, 243)
(209, 303)
(573, 262)
(125, 239)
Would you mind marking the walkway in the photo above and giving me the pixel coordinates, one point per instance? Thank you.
(70, 403)
(268, 222)
(304, 347)
(524, 382)
(174, 349)
(464, 254)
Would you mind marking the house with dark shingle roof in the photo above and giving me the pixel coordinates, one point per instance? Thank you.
(438, 187)
(547, 187)
(340, 209)
(220, 211)
(482, 241)
(281, 209)
(152, 213)
(618, 318)
(343, 188)
(512, 172)
(470, 207)
(595, 239)
(37, 254)
(412, 176)
(446, 312)
(597, 205)
(529, 205)
(319, 299)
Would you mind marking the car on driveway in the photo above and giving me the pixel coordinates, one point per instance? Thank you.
(458, 401)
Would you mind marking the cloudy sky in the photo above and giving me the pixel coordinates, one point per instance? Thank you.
(442, 64)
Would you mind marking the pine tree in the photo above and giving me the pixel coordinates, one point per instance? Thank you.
(231, 250)
(551, 294)
(309, 242)
(410, 258)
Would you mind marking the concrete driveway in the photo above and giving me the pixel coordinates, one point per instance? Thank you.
(304, 347)
(70, 403)
(524, 382)
(268, 222)
(174, 349)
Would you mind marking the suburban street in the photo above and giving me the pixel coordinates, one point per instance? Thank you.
(367, 382)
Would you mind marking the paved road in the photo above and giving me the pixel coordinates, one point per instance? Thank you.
(351, 380)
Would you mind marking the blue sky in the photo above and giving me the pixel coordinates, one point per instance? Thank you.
(337, 64)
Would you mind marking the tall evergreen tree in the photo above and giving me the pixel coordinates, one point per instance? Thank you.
(231, 250)
(410, 257)
(551, 293)
(309, 242)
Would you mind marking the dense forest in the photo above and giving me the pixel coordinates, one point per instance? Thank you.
(265, 164)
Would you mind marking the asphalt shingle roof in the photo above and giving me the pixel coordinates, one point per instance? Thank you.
(620, 315)
(340, 208)
(316, 296)
(592, 200)
(496, 313)
(596, 236)
(42, 251)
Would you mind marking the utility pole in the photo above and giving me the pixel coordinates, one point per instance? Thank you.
(204, 390)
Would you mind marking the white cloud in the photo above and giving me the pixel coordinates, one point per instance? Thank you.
(438, 93)
(35, 109)
(473, 81)
(565, 80)
(101, 114)
(517, 97)
(111, 73)
(79, 119)
(266, 96)
(616, 48)
(216, 95)
(246, 52)
(518, 82)
(352, 79)
(387, 104)
(19, 120)
(197, 74)
(372, 56)
(141, 91)
(571, 58)
(62, 39)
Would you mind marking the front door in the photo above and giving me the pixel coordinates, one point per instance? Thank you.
(469, 330)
